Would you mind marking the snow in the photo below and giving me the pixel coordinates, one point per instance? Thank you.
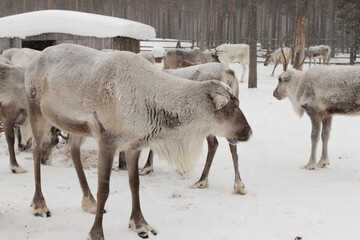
(158, 51)
(71, 22)
(283, 201)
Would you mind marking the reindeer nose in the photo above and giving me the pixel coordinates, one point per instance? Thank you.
(275, 94)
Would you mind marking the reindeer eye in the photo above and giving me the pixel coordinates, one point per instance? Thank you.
(279, 79)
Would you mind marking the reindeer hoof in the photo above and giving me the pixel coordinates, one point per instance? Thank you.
(22, 148)
(309, 167)
(142, 229)
(122, 167)
(201, 184)
(48, 214)
(323, 164)
(17, 169)
(146, 171)
(143, 235)
(239, 188)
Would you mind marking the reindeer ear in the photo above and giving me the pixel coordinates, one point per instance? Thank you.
(286, 77)
(219, 100)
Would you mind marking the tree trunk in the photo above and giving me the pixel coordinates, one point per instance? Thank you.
(332, 27)
(211, 26)
(352, 54)
(301, 7)
(252, 35)
(220, 19)
(163, 27)
(273, 24)
(323, 15)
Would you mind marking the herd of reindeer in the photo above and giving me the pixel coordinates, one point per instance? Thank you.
(126, 103)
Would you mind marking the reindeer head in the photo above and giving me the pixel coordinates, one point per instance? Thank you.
(267, 56)
(49, 142)
(216, 54)
(211, 55)
(281, 90)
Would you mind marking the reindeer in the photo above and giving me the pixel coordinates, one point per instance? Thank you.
(321, 51)
(125, 103)
(179, 58)
(231, 53)
(321, 92)
(202, 72)
(276, 57)
(20, 57)
(13, 113)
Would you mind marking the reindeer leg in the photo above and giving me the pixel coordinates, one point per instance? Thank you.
(239, 186)
(149, 165)
(38, 123)
(325, 134)
(88, 203)
(18, 136)
(315, 132)
(272, 74)
(212, 146)
(105, 157)
(137, 222)
(243, 65)
(122, 161)
(10, 139)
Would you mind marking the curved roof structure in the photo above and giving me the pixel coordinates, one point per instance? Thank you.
(71, 22)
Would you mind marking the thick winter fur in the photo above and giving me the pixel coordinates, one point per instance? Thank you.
(5, 60)
(231, 53)
(222, 73)
(276, 57)
(208, 71)
(179, 58)
(148, 56)
(321, 92)
(20, 57)
(124, 102)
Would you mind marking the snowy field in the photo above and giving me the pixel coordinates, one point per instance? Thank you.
(283, 201)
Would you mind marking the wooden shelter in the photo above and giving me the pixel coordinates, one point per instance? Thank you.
(41, 29)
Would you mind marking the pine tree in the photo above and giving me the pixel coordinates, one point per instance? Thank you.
(253, 36)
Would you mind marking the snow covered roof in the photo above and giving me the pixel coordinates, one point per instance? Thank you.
(71, 22)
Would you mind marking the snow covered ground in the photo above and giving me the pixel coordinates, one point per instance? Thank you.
(283, 201)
